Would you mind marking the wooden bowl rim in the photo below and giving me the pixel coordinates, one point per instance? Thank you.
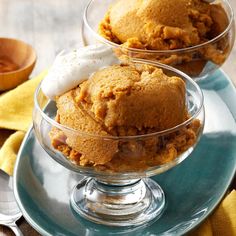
(33, 52)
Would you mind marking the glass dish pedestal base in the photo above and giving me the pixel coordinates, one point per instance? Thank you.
(118, 203)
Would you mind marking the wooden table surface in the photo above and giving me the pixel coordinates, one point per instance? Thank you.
(50, 26)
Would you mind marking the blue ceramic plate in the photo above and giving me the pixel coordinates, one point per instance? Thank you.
(193, 189)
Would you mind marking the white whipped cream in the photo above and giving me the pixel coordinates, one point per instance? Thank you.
(70, 69)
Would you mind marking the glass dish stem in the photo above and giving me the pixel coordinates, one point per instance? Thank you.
(119, 203)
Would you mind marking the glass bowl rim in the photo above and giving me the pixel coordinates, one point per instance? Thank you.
(180, 50)
(159, 133)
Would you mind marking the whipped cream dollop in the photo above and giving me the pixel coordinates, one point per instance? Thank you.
(72, 68)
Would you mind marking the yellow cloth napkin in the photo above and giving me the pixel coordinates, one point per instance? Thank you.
(16, 105)
(9, 151)
(16, 114)
(222, 222)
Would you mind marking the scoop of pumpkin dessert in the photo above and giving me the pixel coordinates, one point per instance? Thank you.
(163, 24)
(120, 101)
(125, 100)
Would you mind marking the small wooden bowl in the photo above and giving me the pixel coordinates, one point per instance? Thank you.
(17, 60)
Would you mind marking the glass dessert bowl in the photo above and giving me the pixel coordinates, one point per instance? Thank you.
(197, 60)
(117, 190)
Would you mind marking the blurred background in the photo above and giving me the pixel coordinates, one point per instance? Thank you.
(50, 26)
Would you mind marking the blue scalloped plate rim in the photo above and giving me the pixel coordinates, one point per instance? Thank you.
(193, 189)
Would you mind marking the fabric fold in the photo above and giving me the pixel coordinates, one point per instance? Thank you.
(16, 105)
(16, 115)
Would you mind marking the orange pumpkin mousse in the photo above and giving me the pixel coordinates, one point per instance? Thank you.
(168, 25)
(124, 100)
(163, 24)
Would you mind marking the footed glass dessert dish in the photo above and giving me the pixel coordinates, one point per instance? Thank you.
(119, 192)
(198, 60)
